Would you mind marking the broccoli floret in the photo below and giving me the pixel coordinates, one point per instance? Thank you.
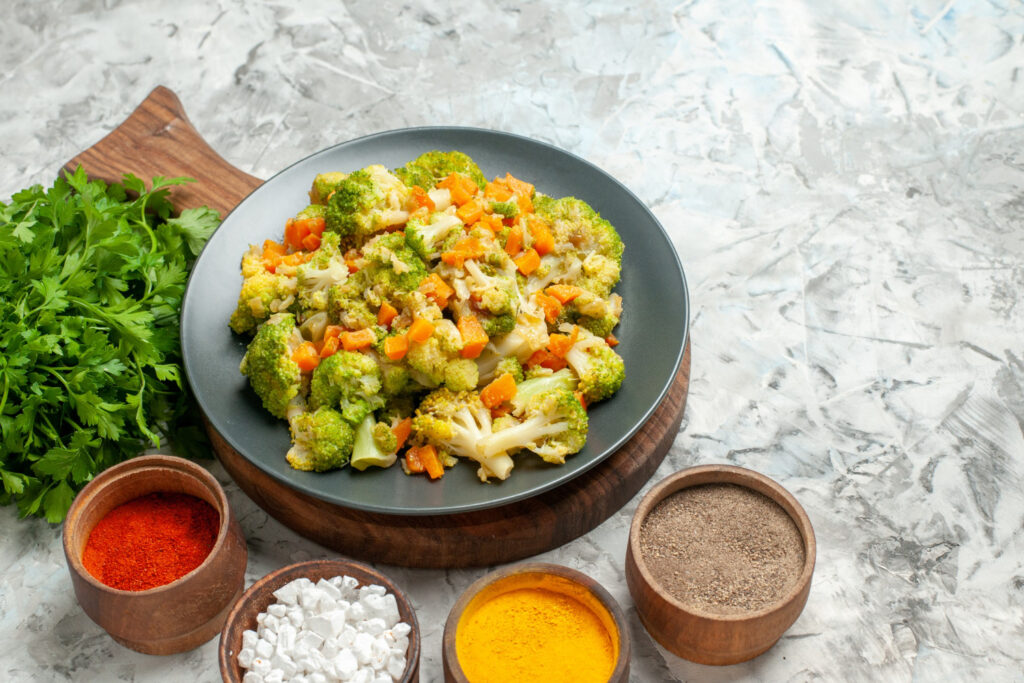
(429, 360)
(375, 445)
(428, 169)
(428, 238)
(529, 335)
(507, 209)
(268, 363)
(600, 274)
(346, 306)
(589, 311)
(392, 268)
(365, 203)
(321, 441)
(312, 211)
(574, 221)
(458, 423)
(348, 381)
(262, 295)
(316, 277)
(553, 425)
(461, 374)
(562, 380)
(512, 366)
(598, 367)
(324, 184)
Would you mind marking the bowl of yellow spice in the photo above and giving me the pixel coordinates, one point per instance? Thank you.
(536, 622)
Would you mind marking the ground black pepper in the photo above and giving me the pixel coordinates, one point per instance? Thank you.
(722, 548)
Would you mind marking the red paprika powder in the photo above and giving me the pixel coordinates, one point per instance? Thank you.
(151, 540)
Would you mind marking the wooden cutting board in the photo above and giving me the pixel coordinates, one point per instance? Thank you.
(157, 139)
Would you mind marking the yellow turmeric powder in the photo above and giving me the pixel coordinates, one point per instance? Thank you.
(537, 633)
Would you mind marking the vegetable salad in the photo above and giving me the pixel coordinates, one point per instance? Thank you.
(430, 313)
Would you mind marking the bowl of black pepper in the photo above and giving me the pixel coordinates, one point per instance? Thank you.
(719, 563)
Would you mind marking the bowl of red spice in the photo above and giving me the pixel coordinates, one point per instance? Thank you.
(719, 563)
(537, 622)
(155, 554)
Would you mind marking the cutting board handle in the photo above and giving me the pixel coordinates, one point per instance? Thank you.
(158, 139)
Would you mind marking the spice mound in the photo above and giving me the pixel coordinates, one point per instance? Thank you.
(722, 548)
(541, 633)
(333, 630)
(151, 541)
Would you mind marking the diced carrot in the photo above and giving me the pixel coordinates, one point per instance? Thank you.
(271, 261)
(543, 240)
(420, 198)
(352, 267)
(402, 430)
(317, 225)
(498, 391)
(470, 212)
(474, 339)
(306, 357)
(461, 187)
(272, 247)
(525, 203)
(581, 398)
(396, 347)
(431, 463)
(311, 242)
(333, 331)
(294, 232)
(330, 347)
(514, 243)
(465, 249)
(420, 330)
(360, 339)
(436, 289)
(386, 314)
(491, 221)
(413, 462)
(552, 309)
(528, 262)
(501, 411)
(497, 190)
(610, 340)
(546, 359)
(519, 187)
(296, 259)
(564, 293)
(560, 344)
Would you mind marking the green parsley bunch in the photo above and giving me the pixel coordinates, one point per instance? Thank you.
(91, 281)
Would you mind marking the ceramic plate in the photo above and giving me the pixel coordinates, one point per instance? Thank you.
(652, 332)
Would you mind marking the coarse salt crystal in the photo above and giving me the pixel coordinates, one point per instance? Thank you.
(245, 657)
(333, 629)
(264, 649)
(249, 639)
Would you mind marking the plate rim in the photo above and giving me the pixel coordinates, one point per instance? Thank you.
(458, 508)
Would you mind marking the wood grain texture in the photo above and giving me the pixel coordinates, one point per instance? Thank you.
(260, 596)
(157, 139)
(177, 616)
(702, 636)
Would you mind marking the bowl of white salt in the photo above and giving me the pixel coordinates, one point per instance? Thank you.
(322, 620)
(719, 563)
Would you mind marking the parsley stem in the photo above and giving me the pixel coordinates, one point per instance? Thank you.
(3, 400)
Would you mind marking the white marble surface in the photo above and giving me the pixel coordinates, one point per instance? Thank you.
(844, 183)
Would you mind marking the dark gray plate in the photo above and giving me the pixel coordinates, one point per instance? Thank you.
(653, 328)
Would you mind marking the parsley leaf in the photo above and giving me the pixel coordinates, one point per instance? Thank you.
(91, 281)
